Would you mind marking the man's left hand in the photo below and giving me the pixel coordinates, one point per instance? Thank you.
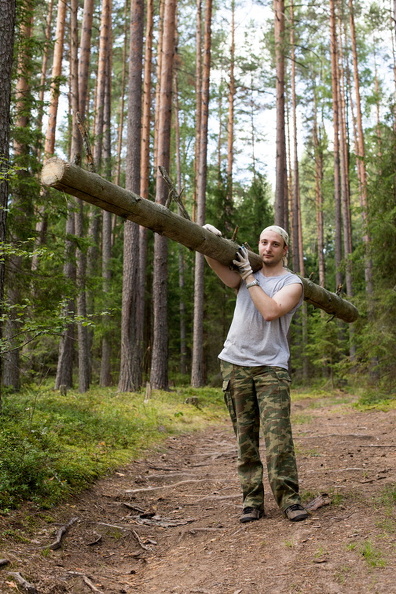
(242, 263)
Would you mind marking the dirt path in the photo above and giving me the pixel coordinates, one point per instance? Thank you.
(169, 522)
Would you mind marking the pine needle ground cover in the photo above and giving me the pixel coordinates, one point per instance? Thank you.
(53, 445)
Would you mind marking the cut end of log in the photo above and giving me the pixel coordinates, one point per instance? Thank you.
(53, 171)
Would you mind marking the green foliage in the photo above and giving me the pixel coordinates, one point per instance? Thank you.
(53, 445)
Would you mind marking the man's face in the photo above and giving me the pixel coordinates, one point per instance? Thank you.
(272, 248)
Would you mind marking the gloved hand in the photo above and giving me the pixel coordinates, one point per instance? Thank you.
(212, 229)
(242, 263)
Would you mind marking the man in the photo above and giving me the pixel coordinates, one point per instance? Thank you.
(254, 366)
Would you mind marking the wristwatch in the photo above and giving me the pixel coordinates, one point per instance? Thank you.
(253, 284)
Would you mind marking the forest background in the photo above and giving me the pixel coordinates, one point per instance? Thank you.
(259, 112)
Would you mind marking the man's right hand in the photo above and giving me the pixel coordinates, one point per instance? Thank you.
(212, 229)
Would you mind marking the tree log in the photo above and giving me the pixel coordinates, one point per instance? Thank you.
(94, 189)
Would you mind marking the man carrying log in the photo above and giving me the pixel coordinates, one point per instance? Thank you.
(254, 365)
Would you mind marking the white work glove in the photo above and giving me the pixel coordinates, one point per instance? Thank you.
(242, 263)
(212, 229)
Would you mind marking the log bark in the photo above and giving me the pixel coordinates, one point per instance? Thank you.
(92, 188)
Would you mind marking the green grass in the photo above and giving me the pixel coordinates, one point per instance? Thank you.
(371, 555)
(54, 446)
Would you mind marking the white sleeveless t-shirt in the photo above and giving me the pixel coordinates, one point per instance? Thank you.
(251, 341)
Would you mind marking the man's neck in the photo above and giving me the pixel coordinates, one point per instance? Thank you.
(273, 271)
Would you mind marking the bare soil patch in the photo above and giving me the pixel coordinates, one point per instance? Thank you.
(170, 521)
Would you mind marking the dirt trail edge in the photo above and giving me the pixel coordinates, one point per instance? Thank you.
(169, 522)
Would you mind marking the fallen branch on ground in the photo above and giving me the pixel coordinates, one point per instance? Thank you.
(147, 489)
(22, 582)
(60, 534)
(87, 581)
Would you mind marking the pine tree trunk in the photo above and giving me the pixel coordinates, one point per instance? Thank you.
(198, 101)
(64, 371)
(121, 110)
(197, 369)
(336, 148)
(22, 202)
(105, 378)
(84, 362)
(361, 154)
(49, 146)
(159, 362)
(85, 56)
(181, 256)
(142, 326)
(131, 351)
(298, 262)
(7, 24)
(281, 198)
(230, 128)
(319, 196)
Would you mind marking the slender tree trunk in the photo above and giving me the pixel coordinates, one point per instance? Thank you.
(64, 371)
(84, 362)
(181, 252)
(344, 170)
(131, 351)
(230, 127)
(7, 24)
(44, 67)
(121, 111)
(159, 363)
(107, 229)
(281, 194)
(143, 327)
(79, 74)
(298, 260)
(360, 155)
(22, 199)
(318, 151)
(56, 77)
(336, 127)
(95, 216)
(198, 371)
(85, 56)
(198, 100)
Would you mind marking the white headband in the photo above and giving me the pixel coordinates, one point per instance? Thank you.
(279, 231)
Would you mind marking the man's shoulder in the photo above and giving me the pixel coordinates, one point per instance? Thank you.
(289, 278)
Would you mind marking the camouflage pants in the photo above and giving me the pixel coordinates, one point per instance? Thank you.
(261, 396)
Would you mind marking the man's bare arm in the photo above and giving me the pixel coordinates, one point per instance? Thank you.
(231, 278)
(272, 308)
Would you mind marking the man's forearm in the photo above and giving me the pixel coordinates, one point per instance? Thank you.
(231, 278)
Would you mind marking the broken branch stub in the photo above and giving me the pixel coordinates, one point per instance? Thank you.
(92, 188)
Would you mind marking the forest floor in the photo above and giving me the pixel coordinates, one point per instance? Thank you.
(169, 522)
